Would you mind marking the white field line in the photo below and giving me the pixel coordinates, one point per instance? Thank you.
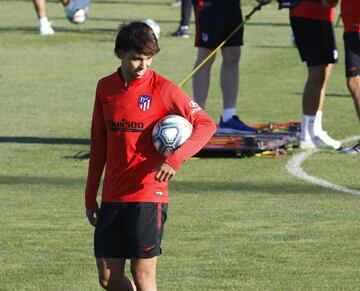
(294, 167)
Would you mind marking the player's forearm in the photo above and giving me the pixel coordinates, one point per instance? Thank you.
(203, 130)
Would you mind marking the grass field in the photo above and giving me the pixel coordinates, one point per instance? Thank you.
(234, 224)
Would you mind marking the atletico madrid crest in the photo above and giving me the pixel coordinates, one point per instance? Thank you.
(144, 102)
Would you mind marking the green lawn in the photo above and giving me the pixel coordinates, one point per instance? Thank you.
(234, 224)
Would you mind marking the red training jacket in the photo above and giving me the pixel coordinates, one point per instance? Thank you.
(313, 10)
(121, 129)
(350, 14)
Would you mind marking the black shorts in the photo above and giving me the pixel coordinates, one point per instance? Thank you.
(129, 230)
(215, 22)
(315, 40)
(352, 53)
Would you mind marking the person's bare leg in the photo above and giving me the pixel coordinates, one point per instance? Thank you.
(315, 88)
(353, 84)
(313, 102)
(40, 8)
(201, 79)
(112, 275)
(229, 75)
(144, 273)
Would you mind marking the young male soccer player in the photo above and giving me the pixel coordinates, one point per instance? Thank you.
(129, 223)
(312, 25)
(350, 13)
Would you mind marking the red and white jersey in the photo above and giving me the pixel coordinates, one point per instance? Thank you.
(313, 10)
(350, 14)
(122, 123)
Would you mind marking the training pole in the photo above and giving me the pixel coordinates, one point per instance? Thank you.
(247, 17)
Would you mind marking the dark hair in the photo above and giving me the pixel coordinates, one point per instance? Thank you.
(136, 36)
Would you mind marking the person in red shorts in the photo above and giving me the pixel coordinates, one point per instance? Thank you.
(312, 26)
(350, 13)
(128, 102)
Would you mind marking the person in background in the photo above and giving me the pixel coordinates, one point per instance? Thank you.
(215, 20)
(45, 27)
(312, 26)
(183, 29)
(134, 201)
(350, 13)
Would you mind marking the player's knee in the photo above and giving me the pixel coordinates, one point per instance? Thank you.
(104, 282)
(142, 277)
(231, 61)
(316, 80)
(352, 82)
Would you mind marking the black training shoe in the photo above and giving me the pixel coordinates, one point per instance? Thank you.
(351, 150)
(183, 31)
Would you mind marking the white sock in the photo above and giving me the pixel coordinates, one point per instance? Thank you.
(307, 127)
(44, 21)
(318, 123)
(228, 113)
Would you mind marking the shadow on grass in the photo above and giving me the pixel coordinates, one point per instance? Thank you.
(191, 187)
(330, 95)
(183, 187)
(34, 30)
(44, 140)
(27, 180)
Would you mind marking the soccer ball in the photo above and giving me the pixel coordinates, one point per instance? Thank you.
(155, 27)
(170, 132)
(77, 16)
(77, 11)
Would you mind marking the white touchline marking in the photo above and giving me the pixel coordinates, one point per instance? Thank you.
(294, 167)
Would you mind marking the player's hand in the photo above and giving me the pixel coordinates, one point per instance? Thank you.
(164, 172)
(92, 215)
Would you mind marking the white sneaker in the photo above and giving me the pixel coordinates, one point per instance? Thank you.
(46, 29)
(323, 141)
(307, 145)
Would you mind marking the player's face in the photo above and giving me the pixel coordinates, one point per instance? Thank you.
(134, 65)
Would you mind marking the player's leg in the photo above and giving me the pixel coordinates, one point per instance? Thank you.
(111, 247)
(316, 44)
(40, 8)
(183, 29)
(229, 82)
(145, 228)
(229, 75)
(352, 69)
(201, 80)
(230, 72)
(112, 275)
(353, 84)
(44, 24)
(315, 88)
(144, 273)
(313, 100)
(352, 66)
